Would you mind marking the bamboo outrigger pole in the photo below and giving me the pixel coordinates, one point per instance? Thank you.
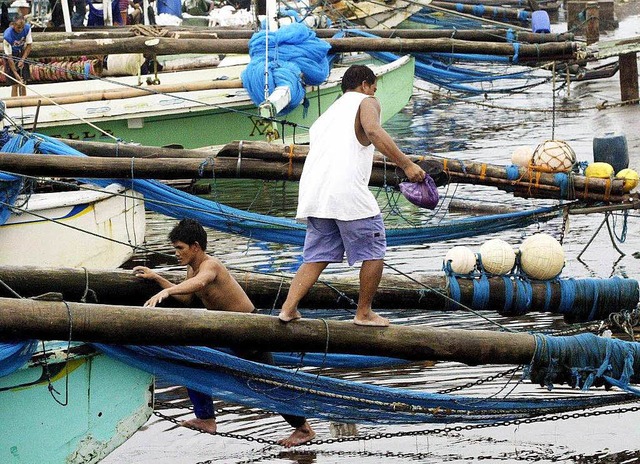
(121, 93)
(482, 35)
(529, 184)
(23, 319)
(421, 292)
(164, 46)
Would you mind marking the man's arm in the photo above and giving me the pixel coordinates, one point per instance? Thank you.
(370, 122)
(183, 291)
(26, 51)
(9, 57)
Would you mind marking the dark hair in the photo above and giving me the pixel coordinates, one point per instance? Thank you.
(356, 75)
(189, 231)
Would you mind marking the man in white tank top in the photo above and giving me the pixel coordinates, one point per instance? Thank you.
(342, 214)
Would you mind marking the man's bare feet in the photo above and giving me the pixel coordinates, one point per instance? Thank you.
(206, 425)
(300, 436)
(371, 319)
(288, 316)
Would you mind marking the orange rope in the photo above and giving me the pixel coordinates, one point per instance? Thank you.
(483, 171)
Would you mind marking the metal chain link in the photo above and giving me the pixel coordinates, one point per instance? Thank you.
(481, 381)
(435, 431)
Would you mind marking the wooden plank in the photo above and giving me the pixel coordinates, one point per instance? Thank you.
(629, 77)
(608, 48)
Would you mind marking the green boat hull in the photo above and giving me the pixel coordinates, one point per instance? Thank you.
(216, 126)
(106, 402)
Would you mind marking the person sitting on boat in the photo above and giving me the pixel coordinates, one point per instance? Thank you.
(17, 46)
(209, 280)
(342, 214)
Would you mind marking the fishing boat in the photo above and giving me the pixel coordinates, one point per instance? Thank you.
(66, 402)
(205, 117)
(59, 396)
(96, 227)
(371, 14)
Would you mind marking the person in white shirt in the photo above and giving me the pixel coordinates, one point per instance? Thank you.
(342, 214)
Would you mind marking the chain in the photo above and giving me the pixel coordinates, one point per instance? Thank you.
(435, 431)
(481, 381)
(462, 428)
(565, 223)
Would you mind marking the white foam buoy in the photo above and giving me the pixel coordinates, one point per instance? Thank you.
(522, 156)
(541, 257)
(463, 260)
(497, 256)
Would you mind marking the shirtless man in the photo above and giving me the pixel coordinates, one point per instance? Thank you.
(209, 280)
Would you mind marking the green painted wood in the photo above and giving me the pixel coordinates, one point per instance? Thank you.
(107, 402)
(216, 126)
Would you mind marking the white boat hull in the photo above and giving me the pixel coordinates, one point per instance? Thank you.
(83, 228)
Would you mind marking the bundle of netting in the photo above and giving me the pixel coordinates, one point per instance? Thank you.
(296, 58)
(585, 360)
(273, 388)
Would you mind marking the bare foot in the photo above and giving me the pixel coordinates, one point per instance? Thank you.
(371, 319)
(288, 316)
(300, 436)
(206, 425)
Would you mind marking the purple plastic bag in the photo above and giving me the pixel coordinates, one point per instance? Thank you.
(423, 194)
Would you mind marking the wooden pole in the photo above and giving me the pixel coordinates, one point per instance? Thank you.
(159, 168)
(459, 171)
(122, 93)
(126, 150)
(511, 14)
(22, 319)
(247, 167)
(163, 46)
(629, 78)
(424, 292)
(494, 35)
(592, 33)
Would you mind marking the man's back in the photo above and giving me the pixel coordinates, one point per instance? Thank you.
(223, 293)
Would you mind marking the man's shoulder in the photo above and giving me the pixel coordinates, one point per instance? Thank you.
(214, 263)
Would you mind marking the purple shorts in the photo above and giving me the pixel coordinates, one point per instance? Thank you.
(327, 240)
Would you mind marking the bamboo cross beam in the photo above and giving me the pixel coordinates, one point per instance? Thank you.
(482, 35)
(121, 93)
(140, 168)
(458, 170)
(423, 292)
(163, 46)
(127, 150)
(221, 167)
(23, 319)
(512, 14)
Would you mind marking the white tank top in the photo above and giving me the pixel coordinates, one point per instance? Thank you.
(335, 176)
